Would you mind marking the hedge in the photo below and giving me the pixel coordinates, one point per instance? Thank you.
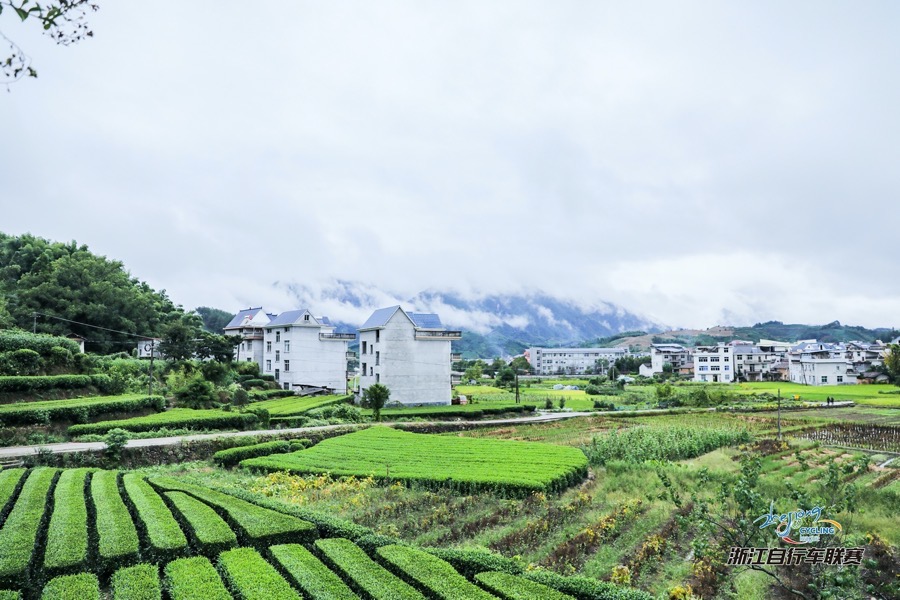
(261, 395)
(18, 538)
(81, 409)
(186, 418)
(232, 456)
(256, 525)
(9, 483)
(472, 562)
(436, 576)
(511, 587)
(83, 586)
(210, 535)
(67, 536)
(140, 582)
(117, 537)
(307, 573)
(585, 588)
(42, 343)
(10, 595)
(366, 576)
(193, 579)
(164, 538)
(27, 384)
(249, 383)
(250, 577)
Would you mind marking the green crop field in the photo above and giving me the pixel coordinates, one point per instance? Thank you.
(297, 405)
(78, 409)
(882, 395)
(261, 552)
(177, 417)
(385, 453)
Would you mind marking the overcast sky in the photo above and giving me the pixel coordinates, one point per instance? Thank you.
(698, 163)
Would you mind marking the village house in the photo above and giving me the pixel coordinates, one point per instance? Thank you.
(660, 354)
(713, 363)
(409, 353)
(820, 363)
(249, 324)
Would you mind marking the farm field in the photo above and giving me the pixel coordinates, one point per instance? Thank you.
(876, 395)
(617, 518)
(160, 534)
(297, 405)
(462, 463)
(187, 418)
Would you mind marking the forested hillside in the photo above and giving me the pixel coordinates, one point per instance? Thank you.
(67, 280)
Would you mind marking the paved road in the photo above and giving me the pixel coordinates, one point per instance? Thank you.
(17, 451)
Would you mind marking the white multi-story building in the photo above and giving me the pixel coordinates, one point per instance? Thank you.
(303, 352)
(713, 363)
(754, 362)
(660, 354)
(819, 363)
(249, 324)
(574, 361)
(407, 352)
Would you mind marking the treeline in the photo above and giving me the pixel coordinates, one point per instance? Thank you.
(67, 280)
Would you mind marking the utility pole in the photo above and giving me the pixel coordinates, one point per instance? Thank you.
(517, 386)
(34, 326)
(152, 352)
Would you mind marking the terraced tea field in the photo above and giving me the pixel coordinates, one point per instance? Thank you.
(85, 534)
(461, 463)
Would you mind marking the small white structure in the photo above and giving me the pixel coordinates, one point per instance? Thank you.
(409, 353)
(249, 324)
(149, 348)
(713, 363)
(574, 361)
(303, 352)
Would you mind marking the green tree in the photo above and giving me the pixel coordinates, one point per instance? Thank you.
(520, 364)
(375, 397)
(179, 342)
(214, 319)
(505, 377)
(474, 372)
(892, 363)
(64, 21)
(491, 369)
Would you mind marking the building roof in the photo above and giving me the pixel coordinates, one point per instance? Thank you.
(238, 319)
(380, 317)
(426, 320)
(288, 317)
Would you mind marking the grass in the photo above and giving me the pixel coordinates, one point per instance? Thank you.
(861, 394)
(389, 454)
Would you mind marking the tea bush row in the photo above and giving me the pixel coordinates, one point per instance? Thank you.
(67, 536)
(209, 533)
(232, 456)
(78, 410)
(178, 417)
(307, 573)
(436, 576)
(165, 539)
(18, 537)
(364, 574)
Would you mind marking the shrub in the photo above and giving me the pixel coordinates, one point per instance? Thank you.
(21, 362)
(364, 575)
(83, 586)
(257, 525)
(115, 440)
(601, 405)
(67, 535)
(250, 383)
(267, 377)
(28, 385)
(196, 393)
(249, 369)
(176, 418)
(16, 339)
(438, 577)
(164, 538)
(193, 579)
(511, 587)
(140, 582)
(117, 538)
(673, 443)
(240, 397)
(592, 390)
(250, 577)
(548, 403)
(471, 562)
(61, 358)
(18, 537)
(209, 533)
(232, 456)
(27, 413)
(308, 573)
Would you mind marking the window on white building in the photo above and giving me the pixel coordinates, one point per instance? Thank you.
(377, 335)
(377, 377)
(277, 355)
(840, 379)
(277, 375)
(377, 358)
(249, 345)
(714, 359)
(268, 346)
(287, 346)
(306, 317)
(714, 369)
(364, 369)
(287, 366)
(268, 365)
(371, 371)
(364, 348)
(277, 336)
(287, 386)
(824, 378)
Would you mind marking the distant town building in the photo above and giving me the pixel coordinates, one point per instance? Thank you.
(572, 361)
(820, 363)
(409, 353)
(713, 363)
(660, 354)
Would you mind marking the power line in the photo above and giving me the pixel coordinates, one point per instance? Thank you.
(143, 337)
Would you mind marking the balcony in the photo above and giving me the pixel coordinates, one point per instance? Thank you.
(350, 355)
(341, 337)
(438, 335)
(455, 356)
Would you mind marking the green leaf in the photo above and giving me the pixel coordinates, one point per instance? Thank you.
(23, 14)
